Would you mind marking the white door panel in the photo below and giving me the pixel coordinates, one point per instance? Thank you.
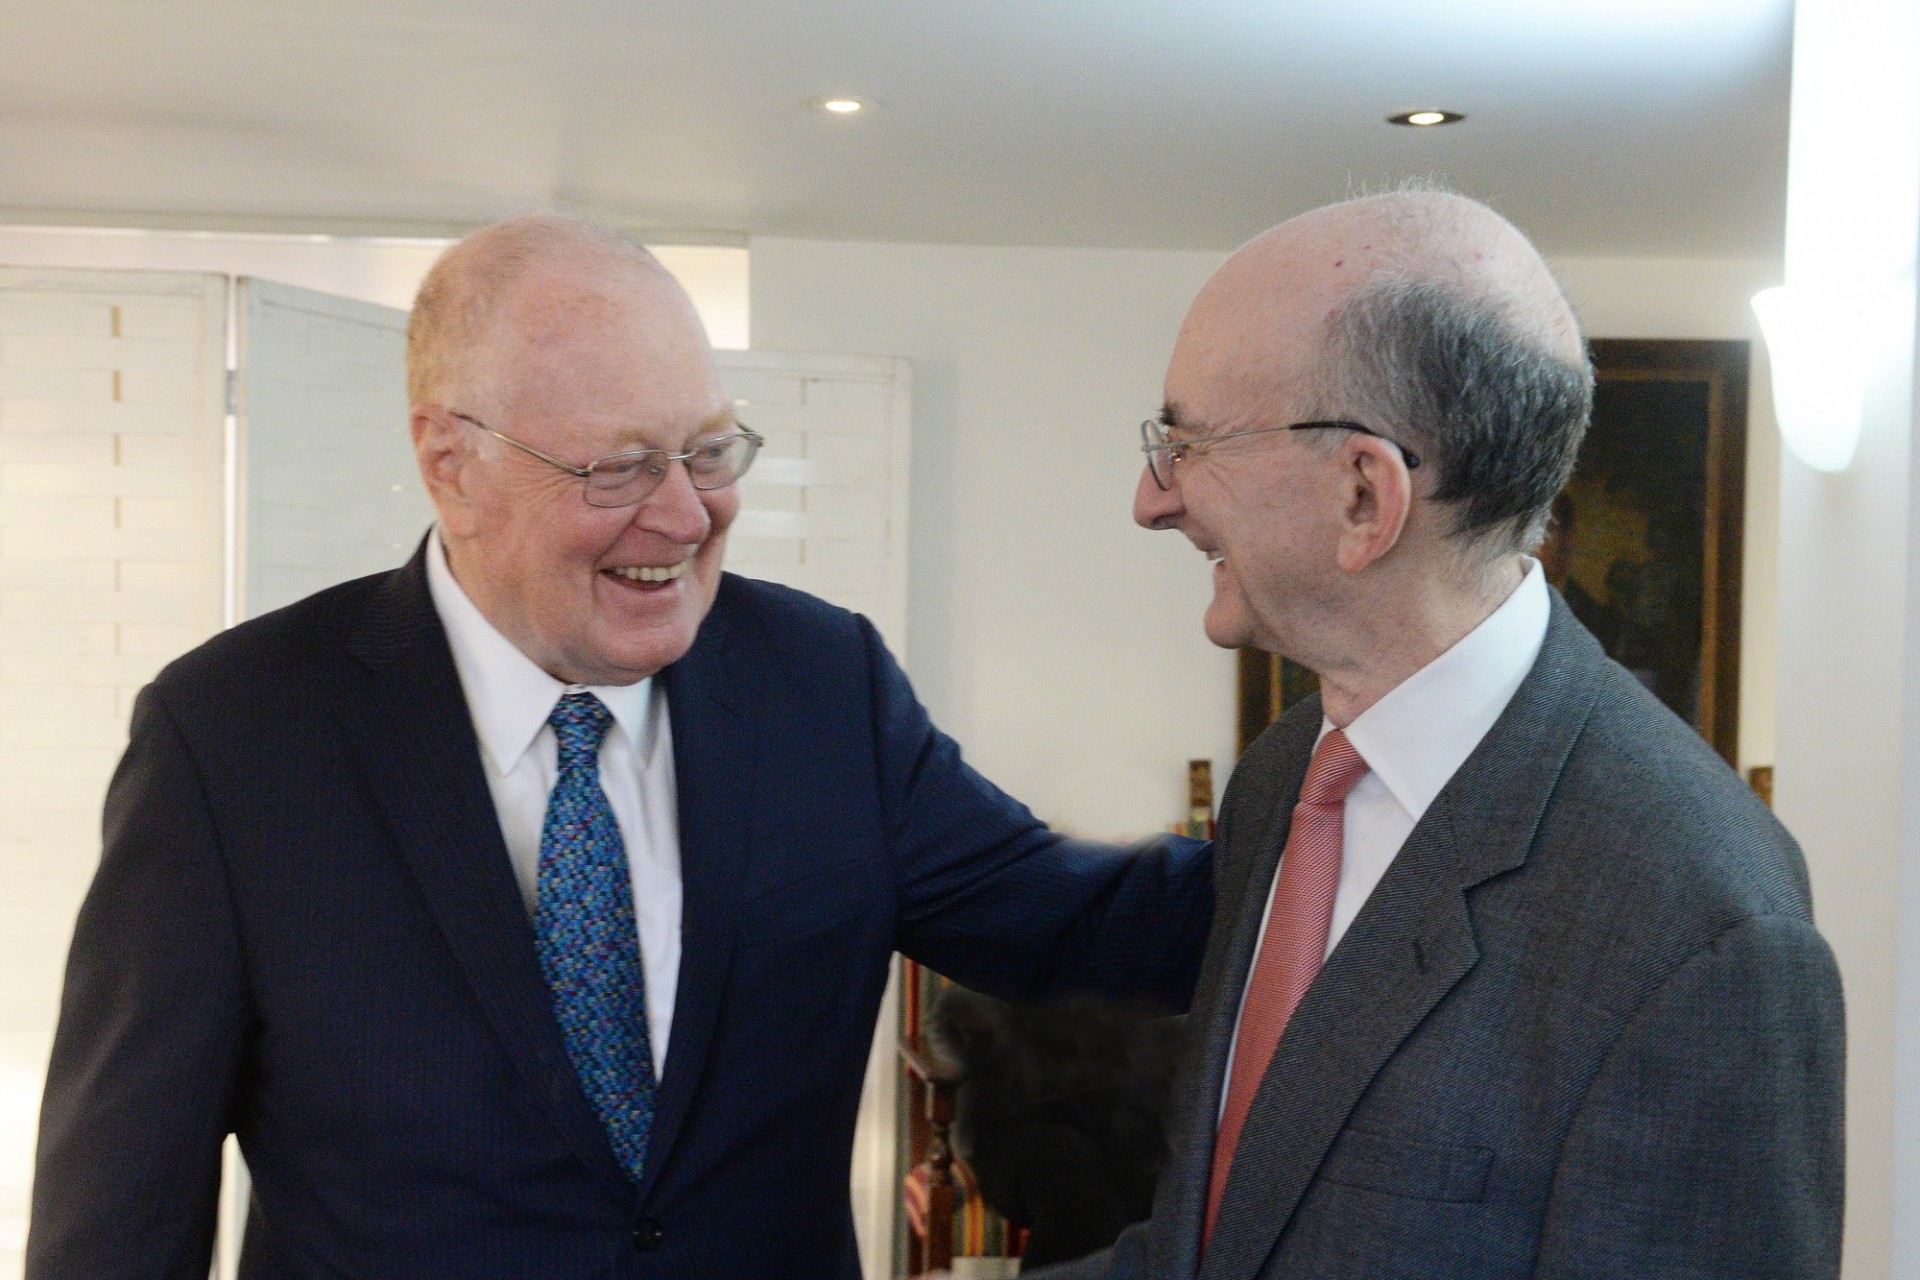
(111, 523)
(825, 507)
(327, 477)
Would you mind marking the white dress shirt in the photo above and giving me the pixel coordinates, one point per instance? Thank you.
(1415, 738)
(510, 699)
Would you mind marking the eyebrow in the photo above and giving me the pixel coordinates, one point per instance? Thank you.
(1169, 415)
(714, 424)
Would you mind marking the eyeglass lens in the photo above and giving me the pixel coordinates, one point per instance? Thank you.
(626, 479)
(1154, 443)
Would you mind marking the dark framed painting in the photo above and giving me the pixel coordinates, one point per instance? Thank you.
(1646, 540)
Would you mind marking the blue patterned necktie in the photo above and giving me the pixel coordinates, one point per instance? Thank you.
(589, 945)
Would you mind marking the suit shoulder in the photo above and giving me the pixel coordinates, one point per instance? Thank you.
(275, 646)
(1674, 816)
(754, 609)
(758, 598)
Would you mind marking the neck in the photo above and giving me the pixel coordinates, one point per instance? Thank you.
(1405, 626)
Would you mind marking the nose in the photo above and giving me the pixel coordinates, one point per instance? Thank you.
(675, 510)
(1154, 507)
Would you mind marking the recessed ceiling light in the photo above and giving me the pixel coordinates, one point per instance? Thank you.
(1426, 119)
(841, 106)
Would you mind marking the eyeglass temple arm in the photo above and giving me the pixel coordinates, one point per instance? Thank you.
(549, 459)
(746, 433)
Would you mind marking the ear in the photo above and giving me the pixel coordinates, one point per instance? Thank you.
(445, 464)
(1376, 498)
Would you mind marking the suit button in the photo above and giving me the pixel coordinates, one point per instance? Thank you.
(646, 1236)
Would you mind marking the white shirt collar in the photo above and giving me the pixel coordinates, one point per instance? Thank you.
(508, 695)
(1419, 735)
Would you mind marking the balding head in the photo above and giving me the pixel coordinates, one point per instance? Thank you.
(483, 277)
(1428, 317)
(1447, 240)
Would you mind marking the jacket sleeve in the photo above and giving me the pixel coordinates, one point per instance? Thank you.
(1125, 1260)
(991, 898)
(152, 1024)
(1711, 1141)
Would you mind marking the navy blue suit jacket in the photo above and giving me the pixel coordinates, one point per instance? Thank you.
(305, 931)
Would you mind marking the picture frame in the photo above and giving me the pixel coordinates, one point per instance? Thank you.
(1648, 538)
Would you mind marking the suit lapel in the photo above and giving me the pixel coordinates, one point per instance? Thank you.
(1256, 816)
(715, 766)
(415, 741)
(1411, 944)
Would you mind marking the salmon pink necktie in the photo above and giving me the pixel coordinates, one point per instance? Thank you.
(1295, 943)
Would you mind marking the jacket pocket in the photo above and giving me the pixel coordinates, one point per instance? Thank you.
(1409, 1167)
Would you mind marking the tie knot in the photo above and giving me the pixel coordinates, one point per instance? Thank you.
(1336, 767)
(580, 721)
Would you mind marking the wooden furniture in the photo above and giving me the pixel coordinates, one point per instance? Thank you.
(929, 1106)
(959, 1227)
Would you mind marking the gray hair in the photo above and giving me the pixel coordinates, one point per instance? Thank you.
(1498, 412)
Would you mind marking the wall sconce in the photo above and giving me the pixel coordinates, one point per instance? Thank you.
(1818, 343)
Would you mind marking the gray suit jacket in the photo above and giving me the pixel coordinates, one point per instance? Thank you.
(1584, 1027)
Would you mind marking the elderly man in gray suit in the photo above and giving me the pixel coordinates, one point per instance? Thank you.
(1510, 976)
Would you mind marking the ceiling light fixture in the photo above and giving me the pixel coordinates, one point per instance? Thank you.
(841, 106)
(1426, 119)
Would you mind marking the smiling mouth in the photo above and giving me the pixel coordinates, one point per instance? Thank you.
(650, 572)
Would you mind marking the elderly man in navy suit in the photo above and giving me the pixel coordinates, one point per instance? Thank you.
(525, 910)
(1510, 976)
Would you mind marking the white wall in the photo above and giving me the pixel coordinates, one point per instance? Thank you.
(1060, 644)
(1849, 707)
(1903, 1135)
(1850, 690)
(1848, 786)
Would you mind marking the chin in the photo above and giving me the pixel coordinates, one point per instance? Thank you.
(1228, 621)
(1228, 632)
(626, 659)
(655, 657)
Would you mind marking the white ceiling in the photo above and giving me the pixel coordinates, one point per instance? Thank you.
(1602, 126)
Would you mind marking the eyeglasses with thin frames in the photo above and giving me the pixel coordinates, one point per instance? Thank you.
(625, 479)
(1162, 451)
